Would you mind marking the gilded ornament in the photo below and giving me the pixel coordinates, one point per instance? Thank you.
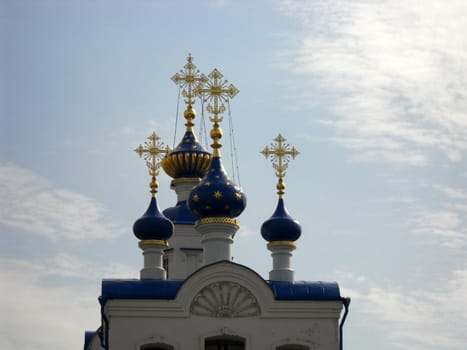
(216, 91)
(153, 151)
(279, 243)
(189, 163)
(218, 220)
(280, 154)
(190, 79)
(146, 242)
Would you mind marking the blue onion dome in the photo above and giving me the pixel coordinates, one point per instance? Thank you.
(153, 225)
(180, 214)
(281, 226)
(216, 195)
(189, 159)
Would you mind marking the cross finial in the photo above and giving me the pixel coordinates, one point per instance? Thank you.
(189, 79)
(216, 92)
(153, 151)
(280, 154)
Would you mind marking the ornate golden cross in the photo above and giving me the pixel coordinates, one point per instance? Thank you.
(215, 92)
(189, 79)
(280, 154)
(153, 151)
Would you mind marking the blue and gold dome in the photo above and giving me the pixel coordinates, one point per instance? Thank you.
(281, 226)
(189, 159)
(216, 195)
(153, 225)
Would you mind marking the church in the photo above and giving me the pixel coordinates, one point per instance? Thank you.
(190, 294)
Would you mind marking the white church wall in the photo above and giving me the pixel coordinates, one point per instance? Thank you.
(223, 299)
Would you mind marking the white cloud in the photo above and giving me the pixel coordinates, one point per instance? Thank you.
(245, 232)
(442, 221)
(451, 192)
(401, 199)
(413, 318)
(33, 205)
(394, 72)
(49, 305)
(443, 226)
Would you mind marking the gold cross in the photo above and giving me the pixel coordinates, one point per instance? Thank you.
(280, 154)
(189, 79)
(216, 92)
(153, 151)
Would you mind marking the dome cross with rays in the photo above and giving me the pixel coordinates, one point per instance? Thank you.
(280, 228)
(153, 225)
(216, 196)
(189, 159)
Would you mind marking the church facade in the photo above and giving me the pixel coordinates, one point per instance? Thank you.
(190, 295)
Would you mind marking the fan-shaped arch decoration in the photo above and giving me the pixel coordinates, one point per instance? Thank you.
(225, 299)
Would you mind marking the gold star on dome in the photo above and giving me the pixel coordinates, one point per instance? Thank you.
(196, 197)
(218, 194)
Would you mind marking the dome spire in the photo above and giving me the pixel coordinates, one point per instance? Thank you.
(216, 201)
(153, 152)
(189, 160)
(280, 154)
(281, 230)
(153, 228)
(190, 79)
(216, 92)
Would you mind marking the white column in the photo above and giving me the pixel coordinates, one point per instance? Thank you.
(281, 253)
(153, 252)
(183, 187)
(184, 236)
(217, 238)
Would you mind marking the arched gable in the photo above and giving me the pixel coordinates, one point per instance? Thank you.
(225, 289)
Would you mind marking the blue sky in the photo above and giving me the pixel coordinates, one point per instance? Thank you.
(371, 93)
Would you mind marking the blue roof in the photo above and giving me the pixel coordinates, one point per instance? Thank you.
(305, 290)
(139, 289)
(168, 289)
(87, 338)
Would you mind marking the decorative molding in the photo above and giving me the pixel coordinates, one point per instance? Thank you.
(225, 299)
(218, 220)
